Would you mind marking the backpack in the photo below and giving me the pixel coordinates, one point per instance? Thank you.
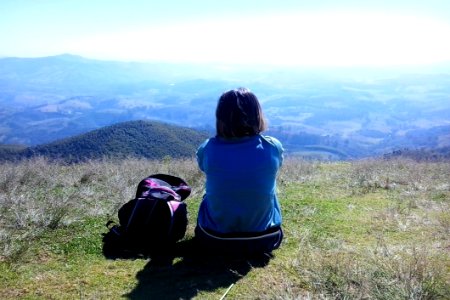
(155, 219)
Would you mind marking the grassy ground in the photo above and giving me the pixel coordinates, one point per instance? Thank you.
(362, 230)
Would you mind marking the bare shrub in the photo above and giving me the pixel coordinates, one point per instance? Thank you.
(398, 273)
(295, 170)
(371, 174)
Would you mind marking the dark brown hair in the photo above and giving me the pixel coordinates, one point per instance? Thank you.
(239, 114)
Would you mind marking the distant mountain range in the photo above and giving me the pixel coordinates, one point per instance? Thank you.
(142, 139)
(332, 113)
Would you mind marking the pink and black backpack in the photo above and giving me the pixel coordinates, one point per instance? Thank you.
(154, 219)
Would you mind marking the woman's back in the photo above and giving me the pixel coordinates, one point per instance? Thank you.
(240, 184)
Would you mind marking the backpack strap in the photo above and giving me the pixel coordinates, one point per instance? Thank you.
(136, 208)
(161, 192)
(175, 183)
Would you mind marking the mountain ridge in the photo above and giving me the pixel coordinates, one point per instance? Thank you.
(141, 139)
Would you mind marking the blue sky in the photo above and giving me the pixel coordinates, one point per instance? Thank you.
(278, 32)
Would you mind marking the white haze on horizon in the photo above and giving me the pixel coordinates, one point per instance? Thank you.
(321, 39)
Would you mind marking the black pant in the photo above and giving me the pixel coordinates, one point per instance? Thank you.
(239, 243)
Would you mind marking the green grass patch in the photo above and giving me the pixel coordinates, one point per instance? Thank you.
(349, 234)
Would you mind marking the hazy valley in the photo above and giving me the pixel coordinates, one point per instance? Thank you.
(332, 113)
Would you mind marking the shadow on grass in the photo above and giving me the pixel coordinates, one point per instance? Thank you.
(184, 271)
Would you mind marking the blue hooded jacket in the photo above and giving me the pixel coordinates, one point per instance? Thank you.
(240, 184)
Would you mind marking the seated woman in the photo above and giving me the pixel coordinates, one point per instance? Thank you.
(240, 213)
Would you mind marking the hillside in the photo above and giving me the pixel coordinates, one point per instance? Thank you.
(147, 139)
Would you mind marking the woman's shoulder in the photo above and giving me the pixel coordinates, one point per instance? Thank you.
(272, 140)
(209, 142)
(204, 144)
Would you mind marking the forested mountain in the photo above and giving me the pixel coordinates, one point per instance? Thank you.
(148, 139)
